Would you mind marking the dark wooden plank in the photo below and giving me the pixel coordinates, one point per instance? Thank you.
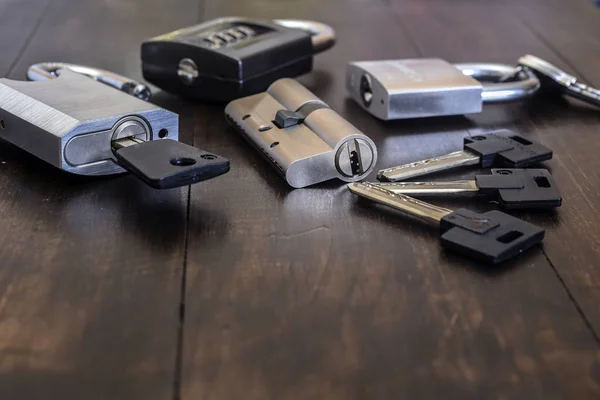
(574, 34)
(90, 276)
(19, 20)
(311, 294)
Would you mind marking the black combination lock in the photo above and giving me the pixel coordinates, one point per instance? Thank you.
(228, 58)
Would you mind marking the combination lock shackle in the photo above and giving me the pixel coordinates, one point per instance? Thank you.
(50, 70)
(501, 83)
(323, 36)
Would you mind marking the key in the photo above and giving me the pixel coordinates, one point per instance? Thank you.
(228, 58)
(492, 237)
(500, 149)
(166, 164)
(514, 188)
(85, 127)
(305, 140)
(418, 88)
(554, 78)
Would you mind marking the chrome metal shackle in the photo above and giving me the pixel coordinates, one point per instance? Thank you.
(501, 83)
(323, 36)
(50, 70)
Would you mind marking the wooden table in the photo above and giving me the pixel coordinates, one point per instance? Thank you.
(241, 288)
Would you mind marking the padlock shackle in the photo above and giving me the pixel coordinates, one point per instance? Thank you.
(49, 70)
(323, 36)
(502, 83)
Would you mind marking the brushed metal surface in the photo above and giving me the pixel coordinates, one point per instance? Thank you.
(414, 88)
(417, 88)
(307, 153)
(42, 117)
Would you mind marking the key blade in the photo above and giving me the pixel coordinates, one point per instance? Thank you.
(416, 208)
(430, 187)
(429, 166)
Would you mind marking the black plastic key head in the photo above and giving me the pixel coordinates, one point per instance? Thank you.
(521, 188)
(492, 237)
(165, 164)
(505, 149)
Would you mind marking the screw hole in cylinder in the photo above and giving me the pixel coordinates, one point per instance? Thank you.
(163, 133)
(183, 161)
(274, 144)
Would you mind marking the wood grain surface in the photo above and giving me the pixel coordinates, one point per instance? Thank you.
(241, 288)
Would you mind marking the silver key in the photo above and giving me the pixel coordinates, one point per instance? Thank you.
(513, 188)
(305, 140)
(491, 237)
(419, 209)
(431, 165)
(417, 88)
(495, 149)
(566, 83)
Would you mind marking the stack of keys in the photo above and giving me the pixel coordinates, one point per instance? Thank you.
(493, 236)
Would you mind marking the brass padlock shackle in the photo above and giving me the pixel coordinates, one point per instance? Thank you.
(323, 36)
(50, 70)
(501, 83)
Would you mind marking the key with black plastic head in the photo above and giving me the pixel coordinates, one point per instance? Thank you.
(514, 188)
(492, 237)
(166, 164)
(499, 149)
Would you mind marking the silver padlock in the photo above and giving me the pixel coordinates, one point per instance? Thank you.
(304, 139)
(88, 128)
(418, 88)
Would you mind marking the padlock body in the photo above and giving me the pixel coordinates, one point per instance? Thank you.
(412, 88)
(70, 121)
(307, 152)
(225, 59)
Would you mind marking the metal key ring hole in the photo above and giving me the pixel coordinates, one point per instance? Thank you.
(183, 162)
(502, 83)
